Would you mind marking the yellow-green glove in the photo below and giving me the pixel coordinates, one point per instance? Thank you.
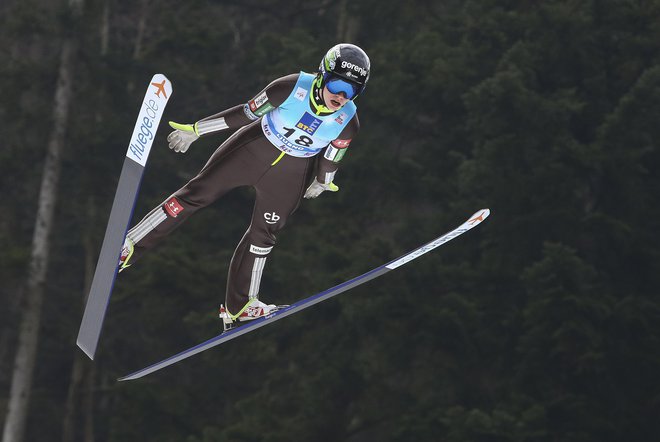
(182, 136)
(316, 188)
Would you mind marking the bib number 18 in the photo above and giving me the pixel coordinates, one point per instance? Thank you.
(304, 140)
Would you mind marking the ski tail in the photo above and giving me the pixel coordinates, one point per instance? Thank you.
(151, 111)
(476, 219)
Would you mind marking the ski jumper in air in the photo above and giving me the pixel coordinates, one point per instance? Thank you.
(290, 139)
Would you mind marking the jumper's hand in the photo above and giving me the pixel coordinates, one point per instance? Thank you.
(182, 136)
(316, 188)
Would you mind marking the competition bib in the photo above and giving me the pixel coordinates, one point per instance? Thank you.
(293, 127)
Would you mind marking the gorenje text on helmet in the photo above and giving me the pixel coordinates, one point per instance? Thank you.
(356, 68)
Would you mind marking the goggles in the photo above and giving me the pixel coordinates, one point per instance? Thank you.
(337, 85)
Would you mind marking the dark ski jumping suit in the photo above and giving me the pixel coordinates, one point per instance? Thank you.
(282, 131)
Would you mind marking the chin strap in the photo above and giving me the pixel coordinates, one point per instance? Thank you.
(316, 97)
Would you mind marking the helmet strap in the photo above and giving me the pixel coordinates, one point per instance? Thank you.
(316, 96)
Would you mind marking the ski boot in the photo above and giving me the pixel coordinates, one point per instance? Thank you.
(254, 309)
(126, 253)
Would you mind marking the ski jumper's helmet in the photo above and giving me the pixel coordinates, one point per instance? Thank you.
(345, 68)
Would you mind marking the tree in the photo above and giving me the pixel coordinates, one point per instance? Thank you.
(28, 339)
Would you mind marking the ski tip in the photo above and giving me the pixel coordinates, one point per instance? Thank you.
(479, 216)
(159, 77)
(163, 86)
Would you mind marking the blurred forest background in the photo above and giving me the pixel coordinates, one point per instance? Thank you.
(543, 324)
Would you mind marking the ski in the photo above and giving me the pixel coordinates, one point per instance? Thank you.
(155, 99)
(473, 221)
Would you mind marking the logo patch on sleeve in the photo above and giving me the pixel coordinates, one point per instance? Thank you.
(341, 144)
(258, 101)
(309, 123)
(173, 207)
